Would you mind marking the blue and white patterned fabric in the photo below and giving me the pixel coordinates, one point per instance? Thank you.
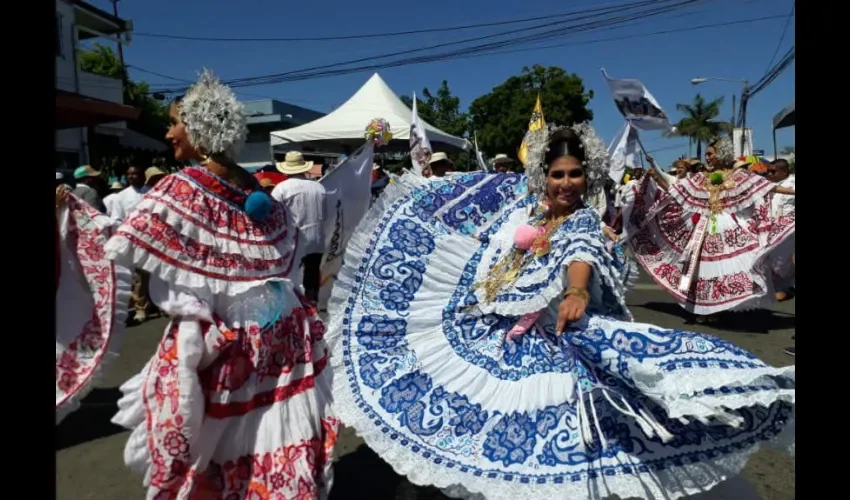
(426, 376)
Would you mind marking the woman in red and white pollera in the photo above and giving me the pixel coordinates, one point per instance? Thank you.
(234, 402)
(706, 238)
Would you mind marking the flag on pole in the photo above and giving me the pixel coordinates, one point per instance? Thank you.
(623, 152)
(482, 165)
(348, 193)
(420, 146)
(636, 104)
(537, 122)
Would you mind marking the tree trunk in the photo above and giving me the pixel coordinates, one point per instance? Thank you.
(699, 150)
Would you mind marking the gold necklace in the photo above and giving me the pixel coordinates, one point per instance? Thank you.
(507, 270)
(715, 204)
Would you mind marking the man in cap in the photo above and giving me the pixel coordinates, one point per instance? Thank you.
(440, 164)
(305, 200)
(89, 183)
(502, 163)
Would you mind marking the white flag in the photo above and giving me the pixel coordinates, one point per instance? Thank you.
(636, 104)
(348, 193)
(420, 146)
(482, 165)
(624, 152)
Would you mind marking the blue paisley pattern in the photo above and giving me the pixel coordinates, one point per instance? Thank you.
(445, 425)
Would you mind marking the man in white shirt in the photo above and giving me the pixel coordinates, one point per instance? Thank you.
(123, 203)
(118, 208)
(305, 201)
(779, 171)
(621, 193)
(115, 188)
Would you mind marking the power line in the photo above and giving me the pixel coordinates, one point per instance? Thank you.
(599, 40)
(559, 32)
(627, 37)
(782, 36)
(389, 34)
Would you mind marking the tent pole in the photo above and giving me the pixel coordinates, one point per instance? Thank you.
(775, 153)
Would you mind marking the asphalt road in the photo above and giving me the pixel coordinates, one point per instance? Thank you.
(89, 449)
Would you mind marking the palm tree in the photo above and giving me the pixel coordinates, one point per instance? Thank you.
(698, 124)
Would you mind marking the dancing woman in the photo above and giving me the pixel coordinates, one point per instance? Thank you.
(706, 238)
(234, 403)
(506, 364)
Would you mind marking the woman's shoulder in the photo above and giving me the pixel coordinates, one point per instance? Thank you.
(585, 220)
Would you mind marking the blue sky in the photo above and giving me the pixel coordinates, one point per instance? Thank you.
(664, 63)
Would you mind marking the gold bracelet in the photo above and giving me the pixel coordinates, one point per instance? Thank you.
(578, 292)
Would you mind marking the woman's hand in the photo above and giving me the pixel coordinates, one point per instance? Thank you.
(62, 192)
(571, 309)
(610, 233)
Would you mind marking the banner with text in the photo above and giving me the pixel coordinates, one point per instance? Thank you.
(348, 194)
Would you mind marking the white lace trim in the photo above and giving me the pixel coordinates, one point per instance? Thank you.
(693, 197)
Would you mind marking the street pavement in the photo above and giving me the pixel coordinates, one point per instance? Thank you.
(89, 449)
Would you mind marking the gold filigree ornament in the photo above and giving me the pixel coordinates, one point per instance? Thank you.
(715, 184)
(508, 269)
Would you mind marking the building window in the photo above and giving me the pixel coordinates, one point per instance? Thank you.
(59, 36)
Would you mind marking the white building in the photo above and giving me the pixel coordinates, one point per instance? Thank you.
(85, 98)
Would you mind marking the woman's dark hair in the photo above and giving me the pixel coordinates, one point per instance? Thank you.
(565, 143)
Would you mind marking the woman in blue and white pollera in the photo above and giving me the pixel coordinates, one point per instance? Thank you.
(483, 346)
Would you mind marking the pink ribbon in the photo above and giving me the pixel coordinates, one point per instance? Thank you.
(522, 326)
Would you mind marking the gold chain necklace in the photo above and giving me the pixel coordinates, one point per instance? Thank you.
(507, 270)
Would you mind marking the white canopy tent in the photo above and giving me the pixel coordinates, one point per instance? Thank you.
(375, 99)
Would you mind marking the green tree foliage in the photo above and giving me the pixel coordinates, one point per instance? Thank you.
(500, 118)
(443, 111)
(698, 123)
(153, 120)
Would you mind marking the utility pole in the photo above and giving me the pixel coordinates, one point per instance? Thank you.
(745, 97)
(120, 45)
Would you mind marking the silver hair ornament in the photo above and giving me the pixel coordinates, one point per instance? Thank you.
(215, 120)
(724, 151)
(596, 161)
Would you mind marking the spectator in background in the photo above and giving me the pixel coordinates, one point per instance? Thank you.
(440, 164)
(89, 187)
(108, 201)
(784, 258)
(380, 179)
(153, 175)
(502, 164)
(305, 200)
(129, 197)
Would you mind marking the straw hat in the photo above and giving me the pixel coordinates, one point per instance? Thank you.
(116, 186)
(375, 166)
(152, 172)
(741, 163)
(502, 158)
(294, 164)
(438, 157)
